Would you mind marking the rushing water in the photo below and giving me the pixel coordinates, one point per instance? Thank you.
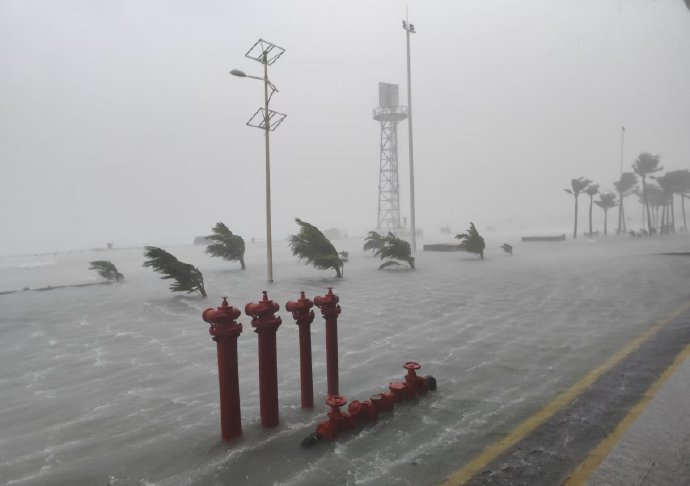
(117, 384)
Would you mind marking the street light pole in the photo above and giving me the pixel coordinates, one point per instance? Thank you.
(265, 53)
(267, 126)
(409, 28)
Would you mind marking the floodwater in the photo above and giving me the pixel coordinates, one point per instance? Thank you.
(117, 384)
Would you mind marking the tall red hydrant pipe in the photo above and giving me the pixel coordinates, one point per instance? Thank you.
(304, 316)
(330, 310)
(225, 332)
(266, 324)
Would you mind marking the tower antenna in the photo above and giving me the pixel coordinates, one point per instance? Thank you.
(389, 113)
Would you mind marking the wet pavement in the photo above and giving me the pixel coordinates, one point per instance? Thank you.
(568, 445)
(655, 450)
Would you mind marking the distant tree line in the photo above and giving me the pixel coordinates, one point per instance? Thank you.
(656, 195)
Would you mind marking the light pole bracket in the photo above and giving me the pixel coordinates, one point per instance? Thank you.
(258, 119)
(264, 52)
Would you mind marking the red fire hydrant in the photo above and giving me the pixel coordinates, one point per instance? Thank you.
(330, 310)
(225, 332)
(266, 324)
(304, 316)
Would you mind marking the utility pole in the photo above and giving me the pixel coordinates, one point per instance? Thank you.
(622, 145)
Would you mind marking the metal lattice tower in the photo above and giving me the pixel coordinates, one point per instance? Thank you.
(389, 113)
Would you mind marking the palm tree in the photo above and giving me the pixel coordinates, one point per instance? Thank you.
(606, 201)
(226, 245)
(394, 250)
(681, 185)
(373, 242)
(591, 190)
(640, 199)
(311, 245)
(646, 164)
(666, 184)
(106, 269)
(655, 199)
(578, 185)
(187, 277)
(625, 186)
(471, 241)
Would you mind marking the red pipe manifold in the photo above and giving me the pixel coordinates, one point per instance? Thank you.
(368, 410)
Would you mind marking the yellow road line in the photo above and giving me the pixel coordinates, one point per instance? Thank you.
(582, 472)
(464, 474)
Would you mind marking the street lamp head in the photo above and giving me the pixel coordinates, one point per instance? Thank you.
(237, 72)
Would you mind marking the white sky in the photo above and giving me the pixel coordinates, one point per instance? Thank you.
(120, 123)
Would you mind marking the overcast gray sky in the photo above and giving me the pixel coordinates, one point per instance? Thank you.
(120, 123)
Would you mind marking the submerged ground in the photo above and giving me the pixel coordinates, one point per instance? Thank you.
(117, 384)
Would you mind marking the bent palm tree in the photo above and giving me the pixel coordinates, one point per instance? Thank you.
(226, 245)
(578, 185)
(471, 241)
(372, 242)
(311, 245)
(187, 277)
(606, 201)
(646, 164)
(394, 250)
(625, 186)
(106, 269)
